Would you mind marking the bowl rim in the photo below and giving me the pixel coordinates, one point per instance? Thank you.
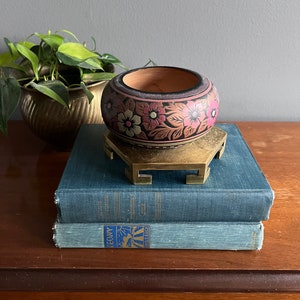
(200, 88)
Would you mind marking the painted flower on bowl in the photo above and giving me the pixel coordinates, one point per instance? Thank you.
(212, 113)
(129, 123)
(194, 114)
(153, 115)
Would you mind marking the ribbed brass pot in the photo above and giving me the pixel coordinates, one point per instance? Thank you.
(56, 124)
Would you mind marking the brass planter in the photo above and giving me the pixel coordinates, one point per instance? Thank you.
(56, 124)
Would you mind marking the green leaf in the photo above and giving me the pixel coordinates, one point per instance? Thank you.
(67, 60)
(90, 63)
(31, 56)
(10, 92)
(26, 44)
(53, 40)
(76, 51)
(97, 76)
(87, 92)
(44, 53)
(6, 59)
(108, 58)
(54, 89)
(12, 49)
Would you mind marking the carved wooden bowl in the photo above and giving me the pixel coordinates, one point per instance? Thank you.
(159, 106)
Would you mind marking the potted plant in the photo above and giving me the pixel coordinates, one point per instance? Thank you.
(57, 81)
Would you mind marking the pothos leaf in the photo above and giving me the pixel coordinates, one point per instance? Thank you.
(109, 58)
(87, 92)
(31, 56)
(76, 51)
(90, 63)
(97, 76)
(54, 89)
(53, 40)
(10, 92)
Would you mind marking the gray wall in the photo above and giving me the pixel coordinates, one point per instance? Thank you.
(250, 49)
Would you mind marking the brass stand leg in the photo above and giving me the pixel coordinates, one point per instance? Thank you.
(132, 173)
(221, 151)
(201, 176)
(108, 151)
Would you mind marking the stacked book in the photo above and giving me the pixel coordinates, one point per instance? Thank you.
(99, 208)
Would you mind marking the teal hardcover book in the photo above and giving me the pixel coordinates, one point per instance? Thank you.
(201, 235)
(94, 188)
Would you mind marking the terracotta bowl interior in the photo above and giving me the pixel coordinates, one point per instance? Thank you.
(161, 80)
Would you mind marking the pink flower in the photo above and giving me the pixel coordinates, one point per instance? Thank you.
(154, 114)
(193, 114)
(212, 113)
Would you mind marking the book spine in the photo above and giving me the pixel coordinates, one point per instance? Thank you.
(115, 206)
(202, 235)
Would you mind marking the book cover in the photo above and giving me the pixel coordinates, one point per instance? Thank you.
(201, 235)
(94, 188)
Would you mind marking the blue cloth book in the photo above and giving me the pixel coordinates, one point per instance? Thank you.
(200, 235)
(94, 188)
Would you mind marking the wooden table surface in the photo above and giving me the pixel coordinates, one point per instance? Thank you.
(30, 171)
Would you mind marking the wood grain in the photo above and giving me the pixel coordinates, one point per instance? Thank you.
(143, 296)
(29, 174)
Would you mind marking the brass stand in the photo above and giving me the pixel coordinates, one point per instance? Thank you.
(196, 155)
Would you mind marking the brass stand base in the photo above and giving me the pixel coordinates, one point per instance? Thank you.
(196, 155)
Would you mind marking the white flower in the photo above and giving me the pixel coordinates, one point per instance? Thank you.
(129, 123)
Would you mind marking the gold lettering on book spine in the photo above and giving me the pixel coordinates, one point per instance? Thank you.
(103, 208)
(158, 202)
(99, 209)
(106, 205)
(117, 205)
(132, 207)
(143, 208)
